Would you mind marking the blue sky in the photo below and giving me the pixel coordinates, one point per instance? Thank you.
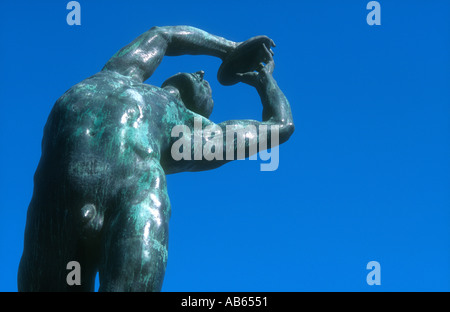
(365, 177)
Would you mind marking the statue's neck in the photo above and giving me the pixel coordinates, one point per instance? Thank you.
(173, 91)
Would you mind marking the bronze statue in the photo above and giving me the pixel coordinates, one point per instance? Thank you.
(100, 193)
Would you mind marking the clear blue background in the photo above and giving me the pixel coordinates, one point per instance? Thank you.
(365, 177)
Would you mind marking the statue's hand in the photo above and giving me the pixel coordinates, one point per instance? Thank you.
(269, 44)
(258, 77)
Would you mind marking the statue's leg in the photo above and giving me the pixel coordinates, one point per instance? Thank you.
(134, 249)
(52, 240)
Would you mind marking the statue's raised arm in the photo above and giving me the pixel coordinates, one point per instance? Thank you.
(140, 58)
(206, 145)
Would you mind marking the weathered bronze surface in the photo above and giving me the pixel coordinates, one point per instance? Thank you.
(100, 193)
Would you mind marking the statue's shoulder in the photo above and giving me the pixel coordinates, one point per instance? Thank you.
(104, 85)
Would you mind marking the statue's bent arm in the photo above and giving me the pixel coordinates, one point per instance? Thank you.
(142, 56)
(238, 137)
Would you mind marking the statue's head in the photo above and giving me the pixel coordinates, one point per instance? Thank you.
(195, 92)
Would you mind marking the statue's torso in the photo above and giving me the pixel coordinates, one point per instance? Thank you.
(103, 141)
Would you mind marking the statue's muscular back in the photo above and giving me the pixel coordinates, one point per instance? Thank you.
(110, 125)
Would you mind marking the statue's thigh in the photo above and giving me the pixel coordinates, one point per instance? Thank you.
(134, 249)
(52, 241)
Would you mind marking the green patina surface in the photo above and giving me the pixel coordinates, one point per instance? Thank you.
(100, 188)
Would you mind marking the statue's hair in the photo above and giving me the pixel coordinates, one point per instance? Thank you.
(188, 88)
